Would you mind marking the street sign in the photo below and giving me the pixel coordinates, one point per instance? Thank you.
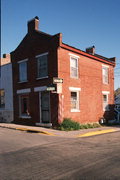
(50, 88)
(57, 80)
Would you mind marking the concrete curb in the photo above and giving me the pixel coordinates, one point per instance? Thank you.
(51, 132)
(93, 133)
(30, 130)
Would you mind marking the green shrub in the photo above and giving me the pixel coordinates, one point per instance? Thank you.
(87, 126)
(69, 125)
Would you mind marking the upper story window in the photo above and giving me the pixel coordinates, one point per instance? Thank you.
(42, 65)
(73, 66)
(2, 98)
(105, 74)
(22, 71)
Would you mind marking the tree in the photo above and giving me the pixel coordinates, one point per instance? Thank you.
(117, 91)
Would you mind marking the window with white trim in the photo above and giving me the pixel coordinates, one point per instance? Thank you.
(42, 66)
(73, 67)
(2, 98)
(105, 74)
(105, 102)
(74, 101)
(24, 105)
(23, 71)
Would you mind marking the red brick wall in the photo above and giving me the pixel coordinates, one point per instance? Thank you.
(90, 82)
(32, 45)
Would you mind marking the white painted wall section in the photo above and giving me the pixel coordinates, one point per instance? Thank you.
(6, 114)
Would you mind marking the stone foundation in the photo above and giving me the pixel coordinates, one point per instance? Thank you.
(6, 116)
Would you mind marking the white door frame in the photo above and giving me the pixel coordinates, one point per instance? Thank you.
(39, 90)
(40, 113)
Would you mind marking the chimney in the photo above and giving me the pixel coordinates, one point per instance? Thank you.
(90, 50)
(33, 24)
(113, 59)
(7, 56)
(5, 60)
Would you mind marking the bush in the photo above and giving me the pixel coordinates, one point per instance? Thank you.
(87, 126)
(69, 125)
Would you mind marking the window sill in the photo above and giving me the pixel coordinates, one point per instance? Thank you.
(25, 117)
(74, 77)
(22, 81)
(41, 78)
(75, 110)
(105, 83)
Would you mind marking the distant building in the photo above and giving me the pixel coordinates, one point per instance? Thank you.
(53, 81)
(6, 90)
(117, 100)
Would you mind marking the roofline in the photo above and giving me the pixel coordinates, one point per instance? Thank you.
(38, 31)
(1, 65)
(73, 49)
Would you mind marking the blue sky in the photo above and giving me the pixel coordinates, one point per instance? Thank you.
(83, 23)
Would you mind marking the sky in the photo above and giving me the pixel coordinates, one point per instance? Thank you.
(83, 23)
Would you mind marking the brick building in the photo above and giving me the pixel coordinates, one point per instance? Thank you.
(6, 89)
(52, 80)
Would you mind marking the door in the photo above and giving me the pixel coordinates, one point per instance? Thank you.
(45, 107)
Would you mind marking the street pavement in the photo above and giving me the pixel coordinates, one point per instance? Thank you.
(33, 156)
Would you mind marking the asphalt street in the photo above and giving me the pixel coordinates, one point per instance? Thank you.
(32, 156)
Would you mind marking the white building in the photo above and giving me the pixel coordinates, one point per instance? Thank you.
(6, 91)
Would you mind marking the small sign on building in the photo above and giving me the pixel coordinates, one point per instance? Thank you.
(51, 87)
(58, 84)
(57, 80)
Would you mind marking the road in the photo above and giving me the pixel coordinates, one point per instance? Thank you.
(30, 156)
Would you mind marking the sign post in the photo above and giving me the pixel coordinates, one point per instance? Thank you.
(58, 82)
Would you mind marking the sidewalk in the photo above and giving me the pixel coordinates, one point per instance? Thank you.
(67, 134)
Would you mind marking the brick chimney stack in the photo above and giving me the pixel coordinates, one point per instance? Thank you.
(90, 50)
(33, 24)
(113, 59)
(5, 60)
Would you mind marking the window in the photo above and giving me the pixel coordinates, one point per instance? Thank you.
(2, 98)
(74, 101)
(73, 67)
(42, 65)
(23, 71)
(105, 71)
(105, 102)
(24, 106)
